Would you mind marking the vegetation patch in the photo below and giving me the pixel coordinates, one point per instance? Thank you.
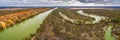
(9, 18)
(56, 27)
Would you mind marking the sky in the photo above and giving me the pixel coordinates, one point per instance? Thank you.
(59, 2)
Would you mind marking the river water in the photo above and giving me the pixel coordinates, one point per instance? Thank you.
(97, 18)
(29, 26)
(108, 35)
(25, 28)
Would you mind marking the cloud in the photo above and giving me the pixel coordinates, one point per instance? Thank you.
(59, 3)
(78, 3)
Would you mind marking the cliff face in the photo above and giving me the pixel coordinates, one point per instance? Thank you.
(12, 17)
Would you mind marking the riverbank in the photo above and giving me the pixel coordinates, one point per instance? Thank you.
(56, 27)
(23, 29)
(116, 31)
(113, 14)
(14, 17)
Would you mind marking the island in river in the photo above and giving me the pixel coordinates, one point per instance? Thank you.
(80, 24)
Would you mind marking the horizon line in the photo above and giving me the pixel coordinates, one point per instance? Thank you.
(66, 6)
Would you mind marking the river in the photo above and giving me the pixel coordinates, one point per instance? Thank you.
(96, 17)
(108, 35)
(25, 28)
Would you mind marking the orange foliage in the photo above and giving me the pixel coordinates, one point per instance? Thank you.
(10, 19)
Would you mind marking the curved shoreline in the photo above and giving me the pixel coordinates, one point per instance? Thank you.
(25, 28)
(57, 25)
(96, 17)
(108, 34)
(11, 19)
